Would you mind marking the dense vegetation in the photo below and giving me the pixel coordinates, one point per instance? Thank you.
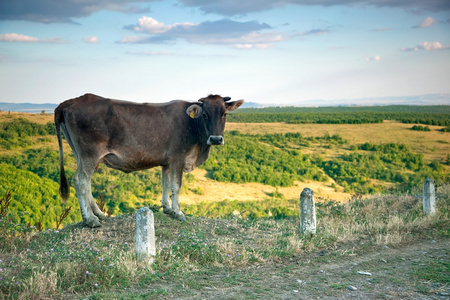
(35, 197)
(278, 160)
(247, 158)
(18, 132)
(429, 115)
(393, 163)
(403, 109)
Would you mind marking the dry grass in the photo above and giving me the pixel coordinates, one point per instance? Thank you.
(42, 284)
(37, 118)
(218, 191)
(84, 260)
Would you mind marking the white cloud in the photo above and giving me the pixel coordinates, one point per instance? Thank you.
(240, 35)
(252, 46)
(91, 39)
(427, 46)
(150, 53)
(15, 37)
(374, 58)
(132, 39)
(383, 29)
(426, 23)
(150, 25)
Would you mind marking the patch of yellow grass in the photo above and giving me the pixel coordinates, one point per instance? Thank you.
(218, 191)
(37, 118)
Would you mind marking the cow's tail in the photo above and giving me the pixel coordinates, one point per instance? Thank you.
(64, 189)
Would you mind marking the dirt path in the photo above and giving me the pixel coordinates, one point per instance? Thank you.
(395, 274)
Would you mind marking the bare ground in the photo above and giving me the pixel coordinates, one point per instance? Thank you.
(320, 276)
(396, 272)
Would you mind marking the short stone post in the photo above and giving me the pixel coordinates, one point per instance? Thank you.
(145, 235)
(307, 212)
(429, 198)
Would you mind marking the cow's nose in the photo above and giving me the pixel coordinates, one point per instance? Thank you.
(215, 140)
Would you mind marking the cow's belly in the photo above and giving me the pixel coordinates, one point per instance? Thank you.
(129, 164)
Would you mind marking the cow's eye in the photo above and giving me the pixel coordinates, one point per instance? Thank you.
(205, 116)
(225, 115)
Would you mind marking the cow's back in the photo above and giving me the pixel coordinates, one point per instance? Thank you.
(143, 135)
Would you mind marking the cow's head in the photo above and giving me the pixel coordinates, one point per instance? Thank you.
(213, 110)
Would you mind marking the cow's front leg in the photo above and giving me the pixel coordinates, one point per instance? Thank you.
(165, 202)
(176, 176)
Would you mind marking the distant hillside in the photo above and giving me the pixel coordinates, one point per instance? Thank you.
(420, 100)
(429, 99)
(435, 109)
(50, 107)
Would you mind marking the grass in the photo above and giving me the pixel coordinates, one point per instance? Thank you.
(78, 261)
(235, 254)
(434, 272)
(37, 118)
(434, 145)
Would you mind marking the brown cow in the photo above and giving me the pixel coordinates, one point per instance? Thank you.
(131, 136)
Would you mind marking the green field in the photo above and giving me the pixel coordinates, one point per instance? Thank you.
(242, 207)
(259, 162)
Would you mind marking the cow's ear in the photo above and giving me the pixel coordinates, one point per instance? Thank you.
(194, 111)
(233, 105)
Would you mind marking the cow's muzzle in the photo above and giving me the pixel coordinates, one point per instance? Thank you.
(215, 140)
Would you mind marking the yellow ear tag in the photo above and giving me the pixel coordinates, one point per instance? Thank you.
(191, 114)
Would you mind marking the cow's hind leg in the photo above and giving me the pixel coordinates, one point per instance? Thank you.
(165, 202)
(95, 209)
(82, 182)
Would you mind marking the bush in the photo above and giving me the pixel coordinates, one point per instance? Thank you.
(420, 128)
(12, 230)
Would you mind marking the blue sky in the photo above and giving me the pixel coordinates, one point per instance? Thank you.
(279, 51)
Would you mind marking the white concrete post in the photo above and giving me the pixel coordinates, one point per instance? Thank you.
(429, 198)
(307, 212)
(145, 235)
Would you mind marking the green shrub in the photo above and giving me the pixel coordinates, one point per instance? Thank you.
(420, 128)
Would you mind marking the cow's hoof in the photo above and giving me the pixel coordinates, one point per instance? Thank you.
(169, 211)
(93, 222)
(180, 217)
(101, 216)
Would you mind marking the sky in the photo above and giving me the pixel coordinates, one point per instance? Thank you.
(278, 51)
